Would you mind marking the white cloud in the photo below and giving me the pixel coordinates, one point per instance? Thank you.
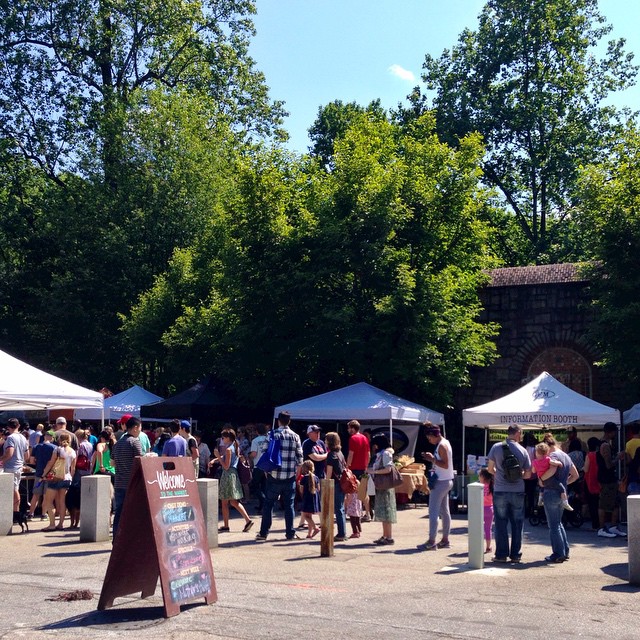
(403, 74)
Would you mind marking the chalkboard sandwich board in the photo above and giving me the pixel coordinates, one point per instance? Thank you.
(161, 535)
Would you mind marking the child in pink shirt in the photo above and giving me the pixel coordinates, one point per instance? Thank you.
(541, 464)
(487, 480)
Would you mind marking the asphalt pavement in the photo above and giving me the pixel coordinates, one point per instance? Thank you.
(283, 589)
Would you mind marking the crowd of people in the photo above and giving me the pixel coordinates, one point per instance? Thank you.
(522, 475)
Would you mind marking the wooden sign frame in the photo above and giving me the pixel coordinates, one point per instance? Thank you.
(162, 535)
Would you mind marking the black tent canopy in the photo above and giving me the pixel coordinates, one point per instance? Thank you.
(207, 400)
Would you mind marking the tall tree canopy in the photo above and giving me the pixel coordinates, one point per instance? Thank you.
(69, 71)
(610, 192)
(529, 81)
(119, 124)
(317, 278)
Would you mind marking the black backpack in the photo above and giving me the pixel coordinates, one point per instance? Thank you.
(510, 465)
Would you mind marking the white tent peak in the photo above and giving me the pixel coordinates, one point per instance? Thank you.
(543, 401)
(126, 402)
(24, 387)
(361, 401)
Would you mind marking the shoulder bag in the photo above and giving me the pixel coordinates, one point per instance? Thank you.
(384, 481)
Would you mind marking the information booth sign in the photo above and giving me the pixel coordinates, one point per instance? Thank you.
(161, 535)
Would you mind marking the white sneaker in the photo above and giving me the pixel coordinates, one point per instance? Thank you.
(617, 532)
(566, 505)
(604, 533)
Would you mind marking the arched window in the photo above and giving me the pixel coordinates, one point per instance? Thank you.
(566, 365)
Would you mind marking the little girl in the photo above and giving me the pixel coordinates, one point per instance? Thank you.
(310, 497)
(353, 508)
(542, 463)
(487, 480)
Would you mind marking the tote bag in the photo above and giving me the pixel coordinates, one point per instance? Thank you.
(271, 459)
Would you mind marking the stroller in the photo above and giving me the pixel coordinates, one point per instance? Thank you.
(573, 518)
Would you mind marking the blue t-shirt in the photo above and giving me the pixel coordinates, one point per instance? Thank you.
(42, 453)
(562, 473)
(175, 447)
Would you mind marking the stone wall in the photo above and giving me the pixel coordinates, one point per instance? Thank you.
(544, 316)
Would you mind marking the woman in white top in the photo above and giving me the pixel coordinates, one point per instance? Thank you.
(442, 461)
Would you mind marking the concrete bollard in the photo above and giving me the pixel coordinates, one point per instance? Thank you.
(475, 503)
(6, 503)
(95, 508)
(327, 510)
(633, 538)
(208, 492)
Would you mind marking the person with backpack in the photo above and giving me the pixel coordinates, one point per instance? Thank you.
(510, 465)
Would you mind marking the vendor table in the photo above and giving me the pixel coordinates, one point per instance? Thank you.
(413, 479)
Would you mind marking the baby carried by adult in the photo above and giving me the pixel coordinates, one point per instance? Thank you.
(541, 464)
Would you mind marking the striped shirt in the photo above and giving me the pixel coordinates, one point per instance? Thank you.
(291, 451)
(124, 452)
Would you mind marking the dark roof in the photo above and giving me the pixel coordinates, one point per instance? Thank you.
(539, 274)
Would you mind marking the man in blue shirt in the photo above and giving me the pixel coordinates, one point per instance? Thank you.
(282, 481)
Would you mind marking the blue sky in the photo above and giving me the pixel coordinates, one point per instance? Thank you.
(316, 51)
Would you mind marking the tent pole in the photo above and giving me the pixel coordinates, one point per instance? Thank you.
(391, 430)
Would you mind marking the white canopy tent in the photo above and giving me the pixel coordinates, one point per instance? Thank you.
(123, 403)
(363, 402)
(23, 387)
(542, 403)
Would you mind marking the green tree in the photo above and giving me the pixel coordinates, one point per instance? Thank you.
(529, 81)
(333, 121)
(610, 193)
(317, 278)
(70, 72)
(80, 255)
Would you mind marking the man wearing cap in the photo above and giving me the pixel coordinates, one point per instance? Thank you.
(192, 444)
(176, 445)
(123, 454)
(61, 427)
(13, 457)
(608, 502)
(314, 449)
(40, 457)
(508, 496)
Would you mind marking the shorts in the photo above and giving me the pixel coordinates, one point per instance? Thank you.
(608, 496)
(59, 484)
(40, 487)
(17, 476)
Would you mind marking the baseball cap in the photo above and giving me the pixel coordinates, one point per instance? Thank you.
(51, 433)
(124, 418)
(313, 427)
(185, 424)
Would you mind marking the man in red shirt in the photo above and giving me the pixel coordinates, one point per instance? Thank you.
(359, 451)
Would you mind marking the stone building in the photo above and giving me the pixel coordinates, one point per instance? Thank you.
(544, 314)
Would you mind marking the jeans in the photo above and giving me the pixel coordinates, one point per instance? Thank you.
(338, 504)
(439, 506)
(553, 509)
(508, 509)
(286, 489)
(118, 503)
